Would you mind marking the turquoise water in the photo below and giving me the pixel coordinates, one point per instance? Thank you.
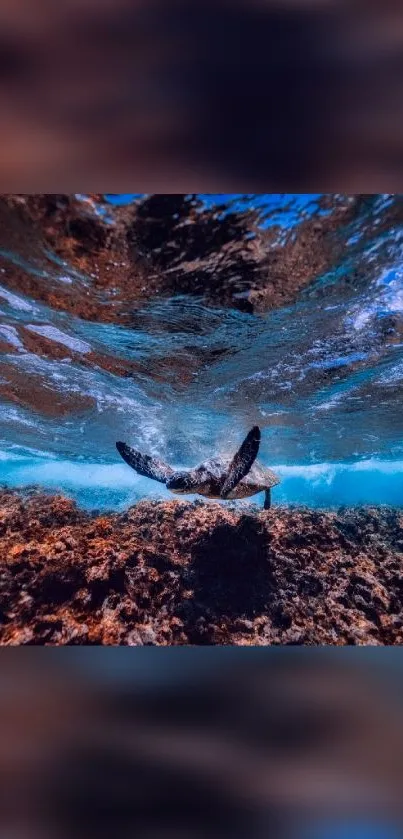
(323, 376)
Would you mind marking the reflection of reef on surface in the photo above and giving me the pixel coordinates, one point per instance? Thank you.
(165, 244)
(179, 573)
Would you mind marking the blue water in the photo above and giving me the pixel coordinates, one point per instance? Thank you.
(323, 376)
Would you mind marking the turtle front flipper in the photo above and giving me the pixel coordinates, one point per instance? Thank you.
(144, 464)
(242, 461)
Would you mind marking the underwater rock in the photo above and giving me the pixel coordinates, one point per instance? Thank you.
(178, 573)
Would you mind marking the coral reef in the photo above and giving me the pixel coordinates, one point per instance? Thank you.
(178, 573)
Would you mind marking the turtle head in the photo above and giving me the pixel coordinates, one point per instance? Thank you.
(181, 482)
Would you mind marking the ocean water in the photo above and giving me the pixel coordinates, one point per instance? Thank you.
(183, 377)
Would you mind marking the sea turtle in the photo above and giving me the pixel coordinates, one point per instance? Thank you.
(222, 477)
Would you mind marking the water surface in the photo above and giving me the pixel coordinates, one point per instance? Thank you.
(183, 378)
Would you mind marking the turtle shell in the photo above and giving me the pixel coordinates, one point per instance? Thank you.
(257, 480)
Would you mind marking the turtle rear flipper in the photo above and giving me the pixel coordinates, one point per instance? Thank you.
(144, 464)
(267, 499)
(242, 462)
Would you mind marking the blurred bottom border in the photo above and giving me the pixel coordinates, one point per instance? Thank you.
(194, 742)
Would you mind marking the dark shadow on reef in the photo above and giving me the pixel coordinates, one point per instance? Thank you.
(175, 573)
(230, 571)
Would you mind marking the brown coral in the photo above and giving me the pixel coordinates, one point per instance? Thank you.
(179, 573)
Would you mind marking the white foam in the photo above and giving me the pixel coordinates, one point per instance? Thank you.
(79, 475)
(329, 470)
(330, 403)
(387, 296)
(393, 376)
(55, 334)
(5, 456)
(332, 484)
(15, 302)
(17, 416)
(11, 335)
(362, 318)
